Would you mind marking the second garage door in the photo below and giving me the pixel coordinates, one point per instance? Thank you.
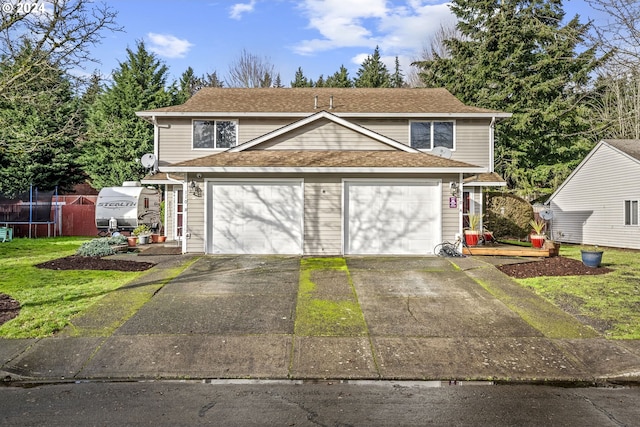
(393, 217)
(255, 217)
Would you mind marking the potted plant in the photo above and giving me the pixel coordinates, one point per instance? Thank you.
(591, 257)
(537, 238)
(143, 232)
(472, 234)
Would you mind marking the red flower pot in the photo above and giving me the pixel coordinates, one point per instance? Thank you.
(471, 238)
(537, 241)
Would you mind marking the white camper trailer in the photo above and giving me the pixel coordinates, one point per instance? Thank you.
(130, 206)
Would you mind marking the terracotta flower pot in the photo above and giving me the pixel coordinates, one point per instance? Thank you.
(162, 239)
(132, 241)
(154, 238)
(537, 241)
(471, 238)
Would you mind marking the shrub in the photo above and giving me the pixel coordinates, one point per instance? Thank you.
(101, 247)
(117, 240)
(507, 215)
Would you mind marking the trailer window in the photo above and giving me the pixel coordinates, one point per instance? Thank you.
(630, 212)
(146, 203)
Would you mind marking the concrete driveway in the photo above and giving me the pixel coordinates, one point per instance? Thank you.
(424, 318)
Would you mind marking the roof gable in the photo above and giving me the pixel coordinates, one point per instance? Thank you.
(314, 119)
(629, 148)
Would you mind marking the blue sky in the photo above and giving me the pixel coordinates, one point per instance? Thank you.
(317, 35)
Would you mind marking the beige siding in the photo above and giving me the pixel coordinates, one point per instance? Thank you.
(195, 231)
(323, 135)
(472, 142)
(396, 129)
(451, 217)
(471, 146)
(252, 128)
(589, 208)
(323, 215)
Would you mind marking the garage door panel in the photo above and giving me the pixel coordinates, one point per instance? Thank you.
(256, 218)
(400, 218)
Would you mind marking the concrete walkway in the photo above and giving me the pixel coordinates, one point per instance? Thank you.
(403, 318)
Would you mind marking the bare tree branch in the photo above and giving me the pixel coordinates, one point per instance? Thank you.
(250, 70)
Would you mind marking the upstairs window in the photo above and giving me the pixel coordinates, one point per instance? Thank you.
(431, 134)
(214, 134)
(630, 212)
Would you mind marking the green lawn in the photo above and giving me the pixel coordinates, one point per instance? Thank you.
(49, 298)
(611, 300)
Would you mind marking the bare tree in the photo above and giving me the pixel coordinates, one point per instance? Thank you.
(617, 104)
(620, 33)
(250, 70)
(57, 34)
(435, 47)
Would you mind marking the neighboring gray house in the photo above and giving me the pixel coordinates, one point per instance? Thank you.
(598, 203)
(321, 171)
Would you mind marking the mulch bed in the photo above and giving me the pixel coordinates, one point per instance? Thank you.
(75, 262)
(556, 266)
(9, 308)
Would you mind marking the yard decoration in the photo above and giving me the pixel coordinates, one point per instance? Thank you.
(591, 257)
(143, 232)
(537, 239)
(472, 234)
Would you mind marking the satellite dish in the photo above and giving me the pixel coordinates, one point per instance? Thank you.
(148, 160)
(443, 152)
(546, 214)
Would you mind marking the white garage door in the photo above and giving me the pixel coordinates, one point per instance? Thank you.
(393, 218)
(256, 217)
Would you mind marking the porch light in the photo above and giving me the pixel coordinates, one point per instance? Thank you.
(453, 188)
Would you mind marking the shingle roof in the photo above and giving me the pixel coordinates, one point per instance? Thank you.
(324, 159)
(302, 100)
(629, 146)
(485, 178)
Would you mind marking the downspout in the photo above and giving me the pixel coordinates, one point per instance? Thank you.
(492, 138)
(156, 143)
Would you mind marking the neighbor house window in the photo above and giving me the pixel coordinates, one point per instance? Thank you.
(431, 134)
(630, 212)
(214, 134)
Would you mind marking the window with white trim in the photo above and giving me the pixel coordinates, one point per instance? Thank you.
(630, 212)
(214, 134)
(426, 135)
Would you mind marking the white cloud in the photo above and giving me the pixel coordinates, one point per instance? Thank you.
(168, 46)
(239, 8)
(398, 27)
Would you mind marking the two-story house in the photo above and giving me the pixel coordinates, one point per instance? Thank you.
(321, 171)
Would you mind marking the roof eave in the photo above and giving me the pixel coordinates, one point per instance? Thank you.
(303, 169)
(236, 114)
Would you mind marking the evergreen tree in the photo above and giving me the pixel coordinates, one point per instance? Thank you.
(397, 78)
(189, 84)
(278, 81)
(339, 79)
(116, 138)
(300, 80)
(320, 82)
(373, 72)
(38, 137)
(515, 56)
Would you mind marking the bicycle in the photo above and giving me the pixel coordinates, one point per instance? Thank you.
(449, 249)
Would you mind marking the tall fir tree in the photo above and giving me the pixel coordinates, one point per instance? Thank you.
(339, 79)
(397, 78)
(300, 80)
(38, 138)
(116, 137)
(516, 56)
(373, 72)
